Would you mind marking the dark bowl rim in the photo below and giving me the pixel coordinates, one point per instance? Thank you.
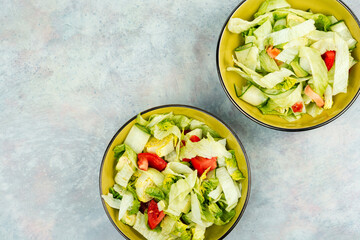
(259, 121)
(180, 106)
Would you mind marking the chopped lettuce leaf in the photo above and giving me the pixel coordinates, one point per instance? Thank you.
(198, 232)
(196, 212)
(140, 120)
(141, 184)
(167, 225)
(177, 169)
(181, 121)
(141, 226)
(161, 147)
(156, 176)
(168, 181)
(179, 191)
(156, 193)
(157, 118)
(270, 5)
(126, 204)
(289, 98)
(216, 193)
(123, 176)
(206, 147)
(111, 201)
(205, 128)
(272, 79)
(238, 25)
(313, 109)
(228, 187)
(342, 65)
(328, 97)
(288, 34)
(232, 167)
(318, 69)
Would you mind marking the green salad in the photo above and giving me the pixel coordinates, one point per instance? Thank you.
(174, 178)
(294, 61)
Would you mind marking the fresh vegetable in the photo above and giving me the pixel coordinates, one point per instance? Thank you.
(314, 96)
(201, 164)
(168, 192)
(329, 59)
(152, 160)
(154, 215)
(291, 60)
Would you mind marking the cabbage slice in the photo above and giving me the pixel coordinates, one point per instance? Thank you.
(141, 226)
(111, 201)
(288, 34)
(342, 65)
(318, 69)
(206, 147)
(229, 188)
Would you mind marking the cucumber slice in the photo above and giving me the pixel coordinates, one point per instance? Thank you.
(250, 39)
(332, 19)
(267, 63)
(137, 138)
(248, 55)
(254, 96)
(343, 31)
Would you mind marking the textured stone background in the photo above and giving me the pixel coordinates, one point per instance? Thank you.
(72, 72)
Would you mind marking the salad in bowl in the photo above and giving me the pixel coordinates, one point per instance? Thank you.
(174, 177)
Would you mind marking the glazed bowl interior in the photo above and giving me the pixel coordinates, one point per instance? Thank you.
(229, 41)
(107, 171)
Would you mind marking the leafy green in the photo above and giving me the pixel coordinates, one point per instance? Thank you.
(156, 193)
(215, 210)
(270, 5)
(322, 22)
(115, 194)
(232, 167)
(225, 217)
(168, 181)
(206, 147)
(205, 128)
(140, 120)
(318, 69)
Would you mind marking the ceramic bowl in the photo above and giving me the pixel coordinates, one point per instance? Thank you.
(229, 41)
(107, 170)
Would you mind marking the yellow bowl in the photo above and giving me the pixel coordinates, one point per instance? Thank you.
(107, 169)
(229, 41)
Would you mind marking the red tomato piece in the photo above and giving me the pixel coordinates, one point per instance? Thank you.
(194, 138)
(297, 107)
(154, 215)
(153, 160)
(201, 164)
(143, 163)
(186, 159)
(273, 52)
(329, 59)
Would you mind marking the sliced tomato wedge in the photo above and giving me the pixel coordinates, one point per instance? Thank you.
(329, 59)
(314, 96)
(143, 163)
(194, 138)
(186, 159)
(153, 161)
(273, 52)
(297, 107)
(201, 164)
(154, 215)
